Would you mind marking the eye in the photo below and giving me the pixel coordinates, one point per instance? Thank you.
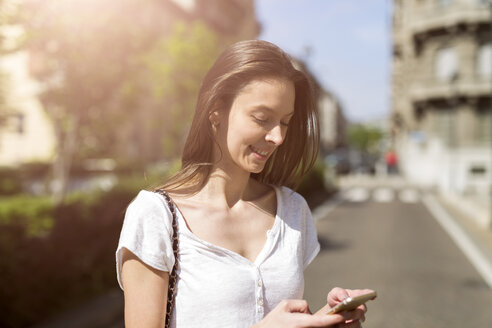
(260, 121)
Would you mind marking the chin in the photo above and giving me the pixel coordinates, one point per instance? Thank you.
(256, 169)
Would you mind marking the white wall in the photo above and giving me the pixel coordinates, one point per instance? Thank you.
(37, 142)
(420, 160)
(426, 162)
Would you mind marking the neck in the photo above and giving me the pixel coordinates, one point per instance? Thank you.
(229, 186)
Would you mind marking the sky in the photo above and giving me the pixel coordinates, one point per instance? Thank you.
(350, 47)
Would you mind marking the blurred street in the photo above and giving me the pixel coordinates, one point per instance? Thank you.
(376, 233)
(96, 102)
(379, 234)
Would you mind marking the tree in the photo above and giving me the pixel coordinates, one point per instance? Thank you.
(81, 51)
(364, 138)
(158, 98)
(119, 81)
(175, 67)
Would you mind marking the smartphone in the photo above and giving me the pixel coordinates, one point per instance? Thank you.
(351, 303)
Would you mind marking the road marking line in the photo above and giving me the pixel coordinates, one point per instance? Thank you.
(471, 251)
(409, 196)
(383, 195)
(357, 194)
(321, 211)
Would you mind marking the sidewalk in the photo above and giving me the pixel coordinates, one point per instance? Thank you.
(481, 237)
(474, 207)
(466, 217)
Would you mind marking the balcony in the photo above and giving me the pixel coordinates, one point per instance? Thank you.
(436, 17)
(430, 88)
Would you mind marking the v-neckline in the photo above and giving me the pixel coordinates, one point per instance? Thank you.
(270, 234)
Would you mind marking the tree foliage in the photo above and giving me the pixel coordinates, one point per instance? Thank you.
(119, 79)
(364, 138)
(175, 68)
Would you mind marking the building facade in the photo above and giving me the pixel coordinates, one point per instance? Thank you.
(332, 123)
(441, 96)
(27, 135)
(332, 120)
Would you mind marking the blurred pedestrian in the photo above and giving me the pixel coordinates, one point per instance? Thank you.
(391, 162)
(244, 237)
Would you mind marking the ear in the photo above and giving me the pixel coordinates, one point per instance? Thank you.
(214, 118)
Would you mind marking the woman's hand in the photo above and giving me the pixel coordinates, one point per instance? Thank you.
(295, 313)
(352, 319)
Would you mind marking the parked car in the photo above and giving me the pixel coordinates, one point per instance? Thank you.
(339, 160)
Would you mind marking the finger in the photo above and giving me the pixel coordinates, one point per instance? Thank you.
(307, 320)
(362, 307)
(337, 295)
(324, 309)
(356, 314)
(352, 324)
(362, 316)
(296, 306)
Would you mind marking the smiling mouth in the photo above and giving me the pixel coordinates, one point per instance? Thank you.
(262, 153)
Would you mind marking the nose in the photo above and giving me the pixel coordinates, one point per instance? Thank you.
(276, 135)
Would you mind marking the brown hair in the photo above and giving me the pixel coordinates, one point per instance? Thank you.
(238, 65)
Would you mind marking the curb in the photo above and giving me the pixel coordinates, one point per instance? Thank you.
(463, 240)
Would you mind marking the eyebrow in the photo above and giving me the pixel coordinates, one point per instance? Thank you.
(263, 107)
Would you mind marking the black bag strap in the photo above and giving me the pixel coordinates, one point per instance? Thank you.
(171, 292)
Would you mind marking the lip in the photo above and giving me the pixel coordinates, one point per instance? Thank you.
(261, 156)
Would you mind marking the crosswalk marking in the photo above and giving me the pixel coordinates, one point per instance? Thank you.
(409, 196)
(356, 194)
(381, 195)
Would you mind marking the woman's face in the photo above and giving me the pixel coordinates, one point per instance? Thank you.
(256, 123)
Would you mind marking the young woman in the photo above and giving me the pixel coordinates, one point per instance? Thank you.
(245, 238)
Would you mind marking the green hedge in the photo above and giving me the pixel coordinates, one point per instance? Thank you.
(54, 258)
(312, 187)
(12, 179)
(34, 214)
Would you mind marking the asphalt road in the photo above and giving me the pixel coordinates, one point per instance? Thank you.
(384, 238)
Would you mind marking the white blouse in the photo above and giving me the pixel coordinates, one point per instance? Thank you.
(217, 287)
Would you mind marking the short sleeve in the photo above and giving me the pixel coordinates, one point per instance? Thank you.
(310, 235)
(147, 233)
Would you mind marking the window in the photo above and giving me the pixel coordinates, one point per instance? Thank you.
(20, 123)
(15, 123)
(483, 2)
(484, 61)
(445, 2)
(444, 126)
(446, 64)
(484, 126)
